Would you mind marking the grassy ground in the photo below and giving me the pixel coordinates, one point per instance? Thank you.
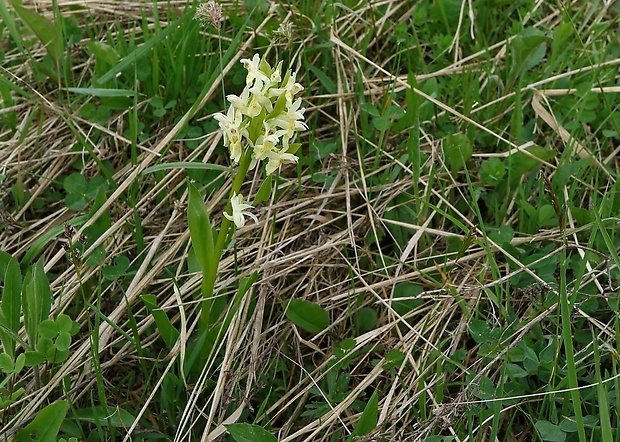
(453, 216)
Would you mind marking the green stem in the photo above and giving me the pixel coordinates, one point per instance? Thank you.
(208, 279)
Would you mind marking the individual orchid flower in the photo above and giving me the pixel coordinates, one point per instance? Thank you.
(239, 211)
(234, 128)
(277, 158)
(290, 89)
(291, 120)
(264, 144)
(254, 72)
(258, 95)
(246, 103)
(276, 76)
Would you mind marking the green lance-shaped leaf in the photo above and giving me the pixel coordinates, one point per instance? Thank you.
(45, 426)
(43, 29)
(167, 331)
(11, 276)
(36, 300)
(200, 229)
(370, 417)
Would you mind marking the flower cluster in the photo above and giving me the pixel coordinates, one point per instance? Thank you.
(209, 13)
(264, 117)
(261, 123)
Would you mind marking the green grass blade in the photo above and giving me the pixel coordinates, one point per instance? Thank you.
(603, 404)
(185, 165)
(567, 337)
(143, 49)
(101, 92)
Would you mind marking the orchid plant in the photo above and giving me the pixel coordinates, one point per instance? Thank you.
(258, 129)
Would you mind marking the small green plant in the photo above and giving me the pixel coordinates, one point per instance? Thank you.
(27, 302)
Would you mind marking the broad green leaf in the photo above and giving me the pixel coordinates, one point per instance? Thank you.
(393, 359)
(166, 330)
(113, 417)
(46, 424)
(550, 432)
(457, 150)
(406, 290)
(479, 330)
(20, 362)
(33, 358)
(36, 300)
(484, 388)
(66, 324)
(561, 37)
(113, 272)
(249, 433)
(63, 341)
(11, 277)
(103, 52)
(75, 183)
(6, 363)
(278, 108)
(528, 49)
(200, 229)
(492, 171)
(370, 417)
(384, 122)
(515, 371)
(256, 127)
(42, 28)
(75, 201)
(520, 162)
(9, 22)
(48, 329)
(307, 315)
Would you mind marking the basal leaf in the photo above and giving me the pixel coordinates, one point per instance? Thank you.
(42, 28)
(36, 300)
(167, 331)
(11, 277)
(249, 433)
(370, 417)
(550, 432)
(46, 424)
(307, 315)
